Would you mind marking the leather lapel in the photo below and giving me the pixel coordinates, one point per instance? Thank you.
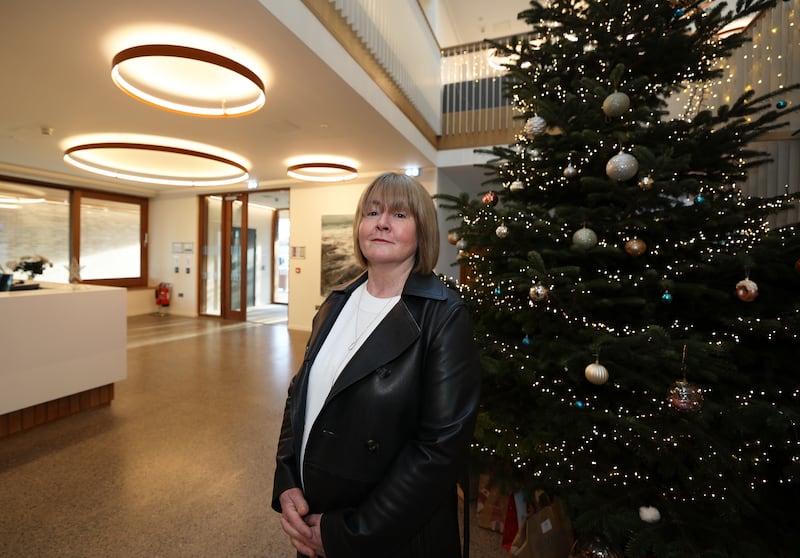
(392, 336)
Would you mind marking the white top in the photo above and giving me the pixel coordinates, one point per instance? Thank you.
(360, 316)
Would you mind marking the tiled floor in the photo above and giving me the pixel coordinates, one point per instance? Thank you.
(180, 464)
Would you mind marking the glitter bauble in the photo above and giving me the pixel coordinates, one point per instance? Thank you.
(635, 247)
(622, 166)
(616, 104)
(684, 396)
(490, 198)
(516, 186)
(593, 546)
(501, 231)
(535, 126)
(596, 373)
(538, 292)
(646, 182)
(584, 238)
(747, 290)
(570, 171)
(453, 237)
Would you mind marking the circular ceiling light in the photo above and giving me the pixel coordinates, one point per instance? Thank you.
(187, 80)
(176, 166)
(322, 172)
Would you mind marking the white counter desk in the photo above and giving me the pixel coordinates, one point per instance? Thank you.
(61, 350)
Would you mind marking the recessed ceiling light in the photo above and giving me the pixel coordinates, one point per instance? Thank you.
(156, 164)
(188, 80)
(322, 172)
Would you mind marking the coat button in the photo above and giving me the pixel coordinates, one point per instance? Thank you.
(372, 446)
(384, 373)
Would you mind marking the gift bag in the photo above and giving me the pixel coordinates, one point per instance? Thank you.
(547, 533)
(491, 506)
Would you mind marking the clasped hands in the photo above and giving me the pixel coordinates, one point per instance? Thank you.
(303, 529)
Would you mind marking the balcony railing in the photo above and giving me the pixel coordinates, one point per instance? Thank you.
(475, 108)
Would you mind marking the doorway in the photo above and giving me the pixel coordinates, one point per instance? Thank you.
(244, 254)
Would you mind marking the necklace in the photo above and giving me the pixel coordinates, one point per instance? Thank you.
(358, 335)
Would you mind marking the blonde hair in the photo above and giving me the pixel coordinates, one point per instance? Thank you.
(399, 192)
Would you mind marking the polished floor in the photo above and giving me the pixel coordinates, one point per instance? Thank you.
(179, 465)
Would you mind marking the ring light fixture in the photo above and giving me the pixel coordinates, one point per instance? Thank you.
(177, 166)
(322, 172)
(187, 80)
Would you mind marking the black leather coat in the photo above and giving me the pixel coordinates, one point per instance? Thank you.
(391, 440)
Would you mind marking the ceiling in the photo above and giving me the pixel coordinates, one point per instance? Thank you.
(55, 60)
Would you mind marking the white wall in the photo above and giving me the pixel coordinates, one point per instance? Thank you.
(175, 220)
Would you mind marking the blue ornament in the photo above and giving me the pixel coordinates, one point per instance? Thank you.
(526, 340)
(666, 297)
(678, 13)
(498, 291)
(781, 104)
(699, 199)
(579, 404)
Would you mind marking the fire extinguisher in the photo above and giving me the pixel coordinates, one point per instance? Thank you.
(163, 294)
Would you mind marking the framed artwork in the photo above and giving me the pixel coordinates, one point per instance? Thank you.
(338, 262)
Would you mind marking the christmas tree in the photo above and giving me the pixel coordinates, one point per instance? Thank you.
(638, 317)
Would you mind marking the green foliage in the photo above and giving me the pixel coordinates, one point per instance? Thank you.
(668, 314)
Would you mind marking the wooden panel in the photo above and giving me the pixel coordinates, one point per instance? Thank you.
(36, 415)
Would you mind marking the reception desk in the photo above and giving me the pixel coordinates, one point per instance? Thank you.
(62, 347)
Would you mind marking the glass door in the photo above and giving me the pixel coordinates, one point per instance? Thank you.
(244, 253)
(223, 281)
(234, 227)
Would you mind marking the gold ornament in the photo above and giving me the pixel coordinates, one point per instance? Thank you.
(538, 292)
(596, 373)
(635, 247)
(453, 237)
(646, 182)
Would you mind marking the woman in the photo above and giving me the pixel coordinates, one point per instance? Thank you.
(379, 417)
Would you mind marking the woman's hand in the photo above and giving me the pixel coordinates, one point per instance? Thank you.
(314, 522)
(293, 509)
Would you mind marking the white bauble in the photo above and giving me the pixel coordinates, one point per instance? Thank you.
(501, 231)
(535, 126)
(584, 238)
(616, 104)
(622, 166)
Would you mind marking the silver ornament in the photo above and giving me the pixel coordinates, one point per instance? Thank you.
(622, 166)
(516, 186)
(501, 231)
(535, 126)
(616, 104)
(570, 171)
(462, 244)
(584, 238)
